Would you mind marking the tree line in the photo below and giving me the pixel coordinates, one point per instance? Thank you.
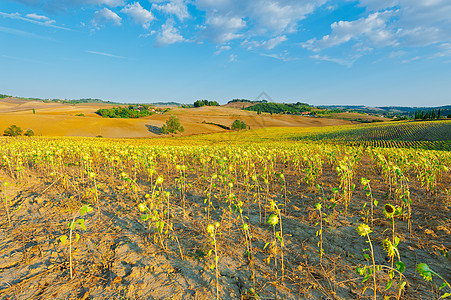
(200, 103)
(129, 112)
(280, 108)
(428, 115)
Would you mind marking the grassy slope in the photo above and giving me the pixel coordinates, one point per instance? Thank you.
(58, 119)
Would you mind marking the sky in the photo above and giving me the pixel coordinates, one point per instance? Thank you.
(366, 52)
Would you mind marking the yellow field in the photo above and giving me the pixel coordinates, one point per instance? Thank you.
(58, 119)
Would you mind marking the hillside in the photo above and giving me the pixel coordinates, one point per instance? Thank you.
(60, 119)
(388, 111)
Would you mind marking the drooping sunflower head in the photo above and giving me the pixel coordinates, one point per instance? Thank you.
(389, 210)
(388, 247)
(424, 271)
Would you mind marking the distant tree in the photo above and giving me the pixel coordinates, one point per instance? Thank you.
(13, 130)
(29, 132)
(200, 103)
(172, 126)
(34, 111)
(130, 111)
(238, 125)
(239, 100)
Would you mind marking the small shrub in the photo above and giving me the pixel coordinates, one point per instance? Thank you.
(29, 132)
(13, 130)
(238, 125)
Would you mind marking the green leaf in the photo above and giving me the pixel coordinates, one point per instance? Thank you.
(400, 266)
(445, 295)
(81, 222)
(366, 278)
(266, 245)
(388, 285)
(63, 239)
(442, 286)
(145, 217)
(376, 203)
(77, 237)
(424, 271)
(85, 209)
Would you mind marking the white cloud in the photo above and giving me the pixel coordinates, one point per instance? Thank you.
(139, 14)
(233, 58)
(174, 7)
(406, 61)
(344, 62)
(443, 50)
(168, 35)
(37, 17)
(111, 3)
(280, 16)
(260, 17)
(424, 22)
(222, 29)
(105, 54)
(268, 45)
(373, 29)
(376, 5)
(34, 19)
(105, 15)
(401, 24)
(284, 56)
(222, 49)
(395, 54)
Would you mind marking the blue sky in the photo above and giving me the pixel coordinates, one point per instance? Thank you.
(370, 52)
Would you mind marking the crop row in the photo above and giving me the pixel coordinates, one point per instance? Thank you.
(247, 186)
